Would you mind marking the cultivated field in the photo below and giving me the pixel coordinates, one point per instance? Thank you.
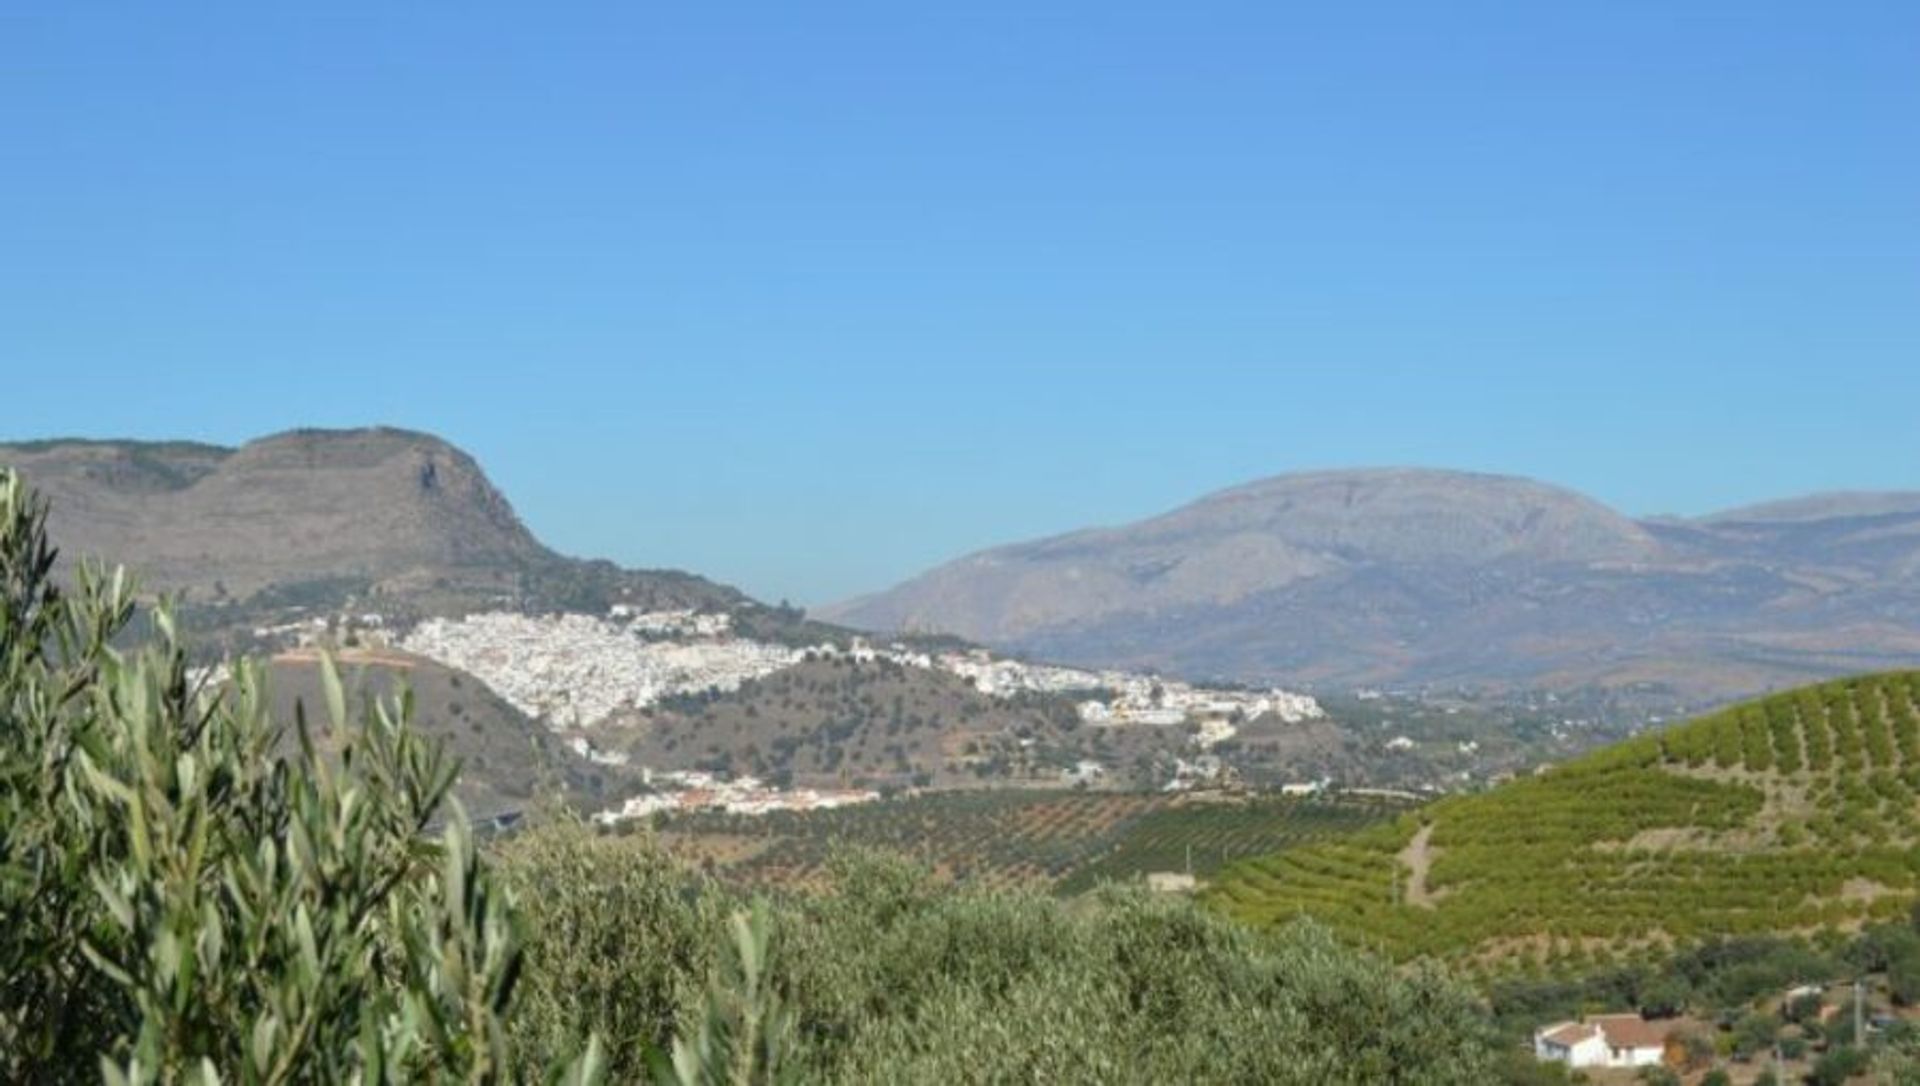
(1793, 814)
(1066, 842)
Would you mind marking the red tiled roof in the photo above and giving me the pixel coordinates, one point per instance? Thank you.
(1630, 1031)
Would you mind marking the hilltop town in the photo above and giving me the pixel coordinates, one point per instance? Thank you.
(574, 671)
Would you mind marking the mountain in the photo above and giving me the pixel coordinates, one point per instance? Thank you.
(1408, 577)
(401, 522)
(1795, 813)
(375, 504)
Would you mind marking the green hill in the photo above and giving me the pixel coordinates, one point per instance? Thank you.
(1791, 814)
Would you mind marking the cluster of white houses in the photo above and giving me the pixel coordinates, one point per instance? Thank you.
(697, 791)
(575, 671)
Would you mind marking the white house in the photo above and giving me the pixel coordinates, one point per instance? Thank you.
(1604, 1040)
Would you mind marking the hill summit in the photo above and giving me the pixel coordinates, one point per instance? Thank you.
(1407, 577)
(376, 511)
(1235, 544)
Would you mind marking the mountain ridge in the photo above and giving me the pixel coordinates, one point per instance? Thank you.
(321, 516)
(1405, 576)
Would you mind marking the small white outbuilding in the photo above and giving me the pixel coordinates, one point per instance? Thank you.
(1605, 1040)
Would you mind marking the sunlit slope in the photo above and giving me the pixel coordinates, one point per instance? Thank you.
(1793, 813)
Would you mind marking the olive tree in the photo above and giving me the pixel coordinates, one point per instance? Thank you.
(189, 894)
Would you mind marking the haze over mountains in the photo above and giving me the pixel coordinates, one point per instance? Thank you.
(1409, 577)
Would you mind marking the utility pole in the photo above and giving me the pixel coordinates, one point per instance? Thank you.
(1859, 1021)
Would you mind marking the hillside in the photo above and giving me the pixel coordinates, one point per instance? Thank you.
(836, 722)
(1405, 577)
(1794, 813)
(842, 722)
(388, 520)
(508, 762)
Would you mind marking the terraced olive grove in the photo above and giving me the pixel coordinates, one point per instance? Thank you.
(1064, 842)
(1795, 813)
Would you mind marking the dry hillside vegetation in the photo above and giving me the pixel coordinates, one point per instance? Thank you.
(837, 721)
(507, 761)
(1795, 813)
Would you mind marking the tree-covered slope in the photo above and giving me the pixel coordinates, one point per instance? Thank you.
(1794, 813)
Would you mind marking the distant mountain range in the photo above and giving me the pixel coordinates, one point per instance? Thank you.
(1402, 577)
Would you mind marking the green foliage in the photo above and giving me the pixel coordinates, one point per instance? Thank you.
(743, 1036)
(1785, 731)
(1766, 817)
(883, 974)
(1811, 708)
(1897, 1063)
(1754, 1033)
(1069, 842)
(618, 943)
(1520, 1067)
(182, 903)
(1124, 987)
(1838, 1065)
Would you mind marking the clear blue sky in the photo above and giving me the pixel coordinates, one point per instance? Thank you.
(807, 296)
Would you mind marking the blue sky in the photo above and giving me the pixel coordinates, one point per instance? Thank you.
(807, 297)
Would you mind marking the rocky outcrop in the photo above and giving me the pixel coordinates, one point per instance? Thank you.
(383, 511)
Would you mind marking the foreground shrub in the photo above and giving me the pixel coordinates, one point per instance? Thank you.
(184, 899)
(896, 983)
(620, 941)
(889, 976)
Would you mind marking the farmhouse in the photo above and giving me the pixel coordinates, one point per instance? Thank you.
(1605, 1040)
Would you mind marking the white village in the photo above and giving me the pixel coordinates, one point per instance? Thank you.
(574, 672)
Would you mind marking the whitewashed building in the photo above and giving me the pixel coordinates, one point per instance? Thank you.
(1604, 1040)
